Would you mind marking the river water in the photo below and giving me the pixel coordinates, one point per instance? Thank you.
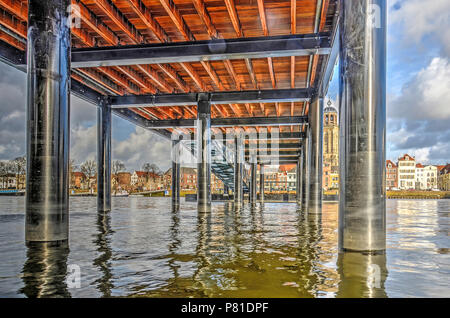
(142, 248)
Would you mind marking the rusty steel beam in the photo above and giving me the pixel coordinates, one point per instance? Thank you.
(197, 51)
(236, 97)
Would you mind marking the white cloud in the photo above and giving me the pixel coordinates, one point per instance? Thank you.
(419, 19)
(83, 143)
(425, 96)
(419, 117)
(140, 147)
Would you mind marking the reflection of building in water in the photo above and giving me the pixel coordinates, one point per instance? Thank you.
(330, 148)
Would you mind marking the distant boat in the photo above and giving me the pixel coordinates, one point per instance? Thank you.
(122, 193)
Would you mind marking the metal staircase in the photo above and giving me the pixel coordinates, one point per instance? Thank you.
(222, 163)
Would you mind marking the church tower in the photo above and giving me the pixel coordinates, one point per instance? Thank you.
(330, 148)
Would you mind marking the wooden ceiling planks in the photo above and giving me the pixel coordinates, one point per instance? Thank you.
(152, 21)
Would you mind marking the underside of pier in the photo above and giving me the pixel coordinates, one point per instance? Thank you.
(257, 68)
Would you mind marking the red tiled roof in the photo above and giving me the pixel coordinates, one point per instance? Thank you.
(390, 162)
(405, 156)
(440, 167)
(286, 168)
(419, 165)
(445, 170)
(145, 174)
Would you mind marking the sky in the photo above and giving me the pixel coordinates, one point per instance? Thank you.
(418, 98)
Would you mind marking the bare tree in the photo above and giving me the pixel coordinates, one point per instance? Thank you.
(18, 166)
(117, 166)
(89, 168)
(151, 168)
(71, 170)
(4, 170)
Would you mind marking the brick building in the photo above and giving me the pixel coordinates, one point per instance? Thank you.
(391, 175)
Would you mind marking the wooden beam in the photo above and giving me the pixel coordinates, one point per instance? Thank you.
(292, 71)
(206, 18)
(169, 71)
(193, 74)
(177, 19)
(145, 15)
(235, 109)
(261, 106)
(231, 8)
(314, 69)
(153, 75)
(100, 28)
(14, 7)
(22, 14)
(233, 75)
(293, 16)
(293, 31)
(212, 74)
(251, 72)
(93, 75)
(249, 109)
(262, 17)
(137, 79)
(272, 72)
(213, 33)
(323, 16)
(179, 22)
(114, 75)
(119, 20)
(14, 25)
(12, 41)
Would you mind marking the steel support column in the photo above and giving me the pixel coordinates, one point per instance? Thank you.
(306, 150)
(204, 153)
(253, 185)
(362, 210)
(48, 119)
(176, 156)
(299, 176)
(261, 183)
(238, 170)
(315, 174)
(104, 157)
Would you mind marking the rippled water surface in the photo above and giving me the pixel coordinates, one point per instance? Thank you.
(142, 248)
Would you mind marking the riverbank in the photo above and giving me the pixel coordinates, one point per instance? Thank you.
(418, 195)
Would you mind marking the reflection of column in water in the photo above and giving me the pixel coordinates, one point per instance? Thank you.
(204, 235)
(256, 235)
(309, 235)
(45, 270)
(133, 203)
(175, 242)
(103, 241)
(362, 275)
